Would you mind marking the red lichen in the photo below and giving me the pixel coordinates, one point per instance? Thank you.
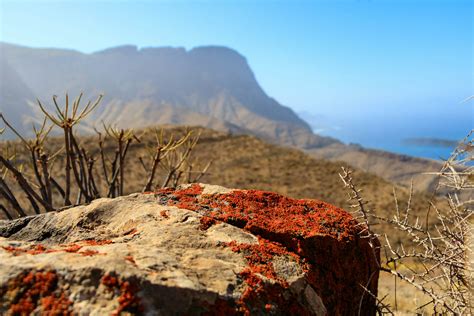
(336, 259)
(261, 294)
(33, 250)
(72, 248)
(259, 257)
(37, 292)
(38, 249)
(164, 214)
(92, 242)
(128, 300)
(131, 260)
(89, 252)
(206, 222)
(14, 250)
(186, 198)
(192, 190)
(110, 281)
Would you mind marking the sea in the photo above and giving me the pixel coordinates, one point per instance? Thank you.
(425, 137)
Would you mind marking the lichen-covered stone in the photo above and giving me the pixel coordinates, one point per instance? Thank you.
(197, 249)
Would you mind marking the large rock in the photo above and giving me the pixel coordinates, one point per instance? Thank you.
(199, 249)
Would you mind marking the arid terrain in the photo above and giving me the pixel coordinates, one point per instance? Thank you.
(209, 86)
(246, 162)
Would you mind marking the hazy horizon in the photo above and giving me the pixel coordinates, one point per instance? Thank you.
(368, 72)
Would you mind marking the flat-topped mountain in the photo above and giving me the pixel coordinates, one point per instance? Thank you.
(208, 86)
(142, 85)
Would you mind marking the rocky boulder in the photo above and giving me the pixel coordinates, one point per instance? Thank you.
(196, 250)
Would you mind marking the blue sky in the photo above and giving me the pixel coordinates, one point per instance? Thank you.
(403, 66)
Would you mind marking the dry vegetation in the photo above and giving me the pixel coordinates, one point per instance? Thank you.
(53, 172)
(434, 258)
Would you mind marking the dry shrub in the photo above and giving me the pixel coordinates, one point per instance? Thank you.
(436, 256)
(48, 173)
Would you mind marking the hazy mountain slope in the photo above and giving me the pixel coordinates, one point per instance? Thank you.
(400, 169)
(14, 94)
(208, 86)
(212, 81)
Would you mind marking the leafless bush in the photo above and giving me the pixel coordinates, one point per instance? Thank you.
(86, 171)
(180, 163)
(436, 256)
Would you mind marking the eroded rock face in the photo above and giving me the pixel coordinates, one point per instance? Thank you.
(199, 249)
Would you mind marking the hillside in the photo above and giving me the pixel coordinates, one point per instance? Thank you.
(245, 162)
(14, 95)
(396, 168)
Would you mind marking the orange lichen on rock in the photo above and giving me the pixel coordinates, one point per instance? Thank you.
(33, 250)
(89, 252)
(328, 238)
(36, 292)
(261, 295)
(131, 260)
(71, 248)
(259, 257)
(206, 222)
(185, 198)
(92, 242)
(128, 299)
(268, 213)
(164, 214)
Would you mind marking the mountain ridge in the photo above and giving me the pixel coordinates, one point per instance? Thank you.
(210, 80)
(211, 86)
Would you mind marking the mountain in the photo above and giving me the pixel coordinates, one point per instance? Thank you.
(215, 82)
(208, 86)
(14, 91)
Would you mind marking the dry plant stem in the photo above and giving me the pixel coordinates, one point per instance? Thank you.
(156, 161)
(58, 188)
(123, 140)
(438, 263)
(66, 120)
(80, 171)
(80, 174)
(121, 159)
(34, 160)
(67, 193)
(362, 213)
(102, 158)
(10, 197)
(160, 151)
(177, 160)
(7, 214)
(35, 147)
(382, 308)
(47, 178)
(32, 195)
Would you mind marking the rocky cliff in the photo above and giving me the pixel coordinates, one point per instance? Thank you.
(197, 249)
(212, 81)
